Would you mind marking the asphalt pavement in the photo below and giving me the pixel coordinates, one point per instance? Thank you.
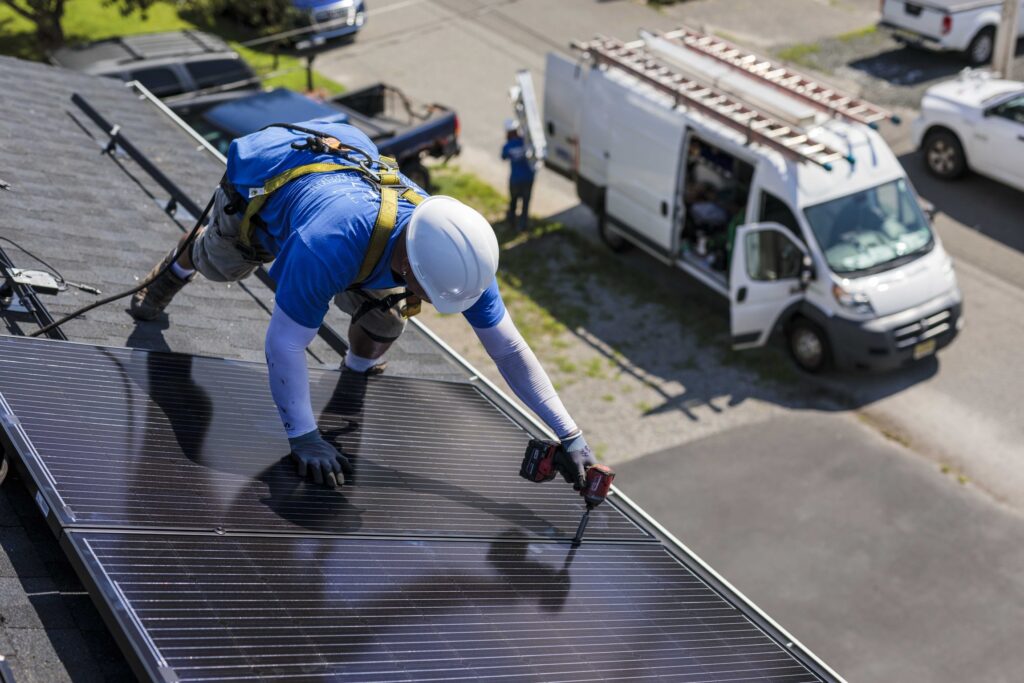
(887, 537)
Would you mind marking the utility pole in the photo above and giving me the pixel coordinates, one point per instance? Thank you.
(1006, 39)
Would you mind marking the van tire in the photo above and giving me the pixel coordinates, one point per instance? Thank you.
(808, 346)
(419, 174)
(944, 155)
(981, 47)
(616, 243)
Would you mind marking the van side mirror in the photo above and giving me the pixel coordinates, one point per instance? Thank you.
(807, 272)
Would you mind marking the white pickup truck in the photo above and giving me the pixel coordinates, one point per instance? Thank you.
(974, 122)
(967, 26)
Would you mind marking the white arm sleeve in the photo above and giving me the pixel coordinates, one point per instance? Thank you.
(285, 348)
(519, 366)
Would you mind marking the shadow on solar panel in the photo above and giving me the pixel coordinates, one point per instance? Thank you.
(152, 439)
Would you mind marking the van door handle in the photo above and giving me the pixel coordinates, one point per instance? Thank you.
(664, 208)
(1021, 138)
(741, 295)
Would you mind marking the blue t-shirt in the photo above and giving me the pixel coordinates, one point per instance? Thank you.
(319, 225)
(522, 167)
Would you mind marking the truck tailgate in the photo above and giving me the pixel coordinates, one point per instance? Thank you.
(918, 17)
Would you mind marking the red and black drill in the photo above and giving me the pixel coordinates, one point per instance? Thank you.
(542, 462)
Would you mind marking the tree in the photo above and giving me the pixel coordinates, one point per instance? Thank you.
(47, 16)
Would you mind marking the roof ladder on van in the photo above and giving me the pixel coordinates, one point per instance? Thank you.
(826, 98)
(757, 126)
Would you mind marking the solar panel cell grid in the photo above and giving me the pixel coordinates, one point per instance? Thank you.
(160, 440)
(224, 608)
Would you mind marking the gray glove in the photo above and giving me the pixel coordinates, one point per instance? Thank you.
(313, 455)
(573, 458)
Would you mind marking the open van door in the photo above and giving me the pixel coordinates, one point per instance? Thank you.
(563, 92)
(769, 271)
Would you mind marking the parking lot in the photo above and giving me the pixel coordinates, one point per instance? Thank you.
(855, 508)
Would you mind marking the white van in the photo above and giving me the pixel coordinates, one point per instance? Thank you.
(771, 189)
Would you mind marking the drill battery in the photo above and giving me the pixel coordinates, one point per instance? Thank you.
(539, 461)
(598, 484)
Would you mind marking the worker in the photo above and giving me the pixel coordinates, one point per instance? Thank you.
(372, 241)
(520, 179)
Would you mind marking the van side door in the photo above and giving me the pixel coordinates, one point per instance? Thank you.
(643, 170)
(768, 264)
(563, 93)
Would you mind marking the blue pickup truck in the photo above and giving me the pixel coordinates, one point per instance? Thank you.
(398, 126)
(331, 19)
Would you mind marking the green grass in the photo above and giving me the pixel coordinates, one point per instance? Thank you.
(88, 20)
(851, 36)
(804, 54)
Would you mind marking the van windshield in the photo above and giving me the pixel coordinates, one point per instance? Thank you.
(871, 230)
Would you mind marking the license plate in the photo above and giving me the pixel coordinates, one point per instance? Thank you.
(925, 348)
(912, 10)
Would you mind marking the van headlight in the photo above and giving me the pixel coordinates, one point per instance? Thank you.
(855, 302)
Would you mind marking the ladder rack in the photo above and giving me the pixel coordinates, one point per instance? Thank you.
(826, 98)
(757, 126)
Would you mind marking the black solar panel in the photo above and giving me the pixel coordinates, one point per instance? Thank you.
(226, 608)
(159, 440)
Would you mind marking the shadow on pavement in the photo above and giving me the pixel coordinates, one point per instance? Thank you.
(986, 206)
(907, 65)
(660, 327)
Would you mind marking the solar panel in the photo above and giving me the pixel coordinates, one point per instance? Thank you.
(130, 438)
(207, 607)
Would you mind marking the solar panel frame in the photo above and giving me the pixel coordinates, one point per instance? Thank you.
(513, 609)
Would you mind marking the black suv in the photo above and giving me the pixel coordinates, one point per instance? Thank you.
(167, 64)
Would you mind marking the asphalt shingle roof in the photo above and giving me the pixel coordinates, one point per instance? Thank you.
(91, 216)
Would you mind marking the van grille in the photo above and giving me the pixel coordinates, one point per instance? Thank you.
(923, 329)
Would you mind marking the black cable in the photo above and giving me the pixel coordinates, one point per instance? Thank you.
(17, 246)
(145, 283)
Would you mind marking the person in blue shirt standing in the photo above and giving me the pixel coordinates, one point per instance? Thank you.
(520, 180)
(341, 223)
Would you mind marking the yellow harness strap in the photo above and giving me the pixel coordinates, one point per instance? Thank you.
(387, 179)
(258, 196)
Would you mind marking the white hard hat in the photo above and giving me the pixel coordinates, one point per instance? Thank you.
(453, 252)
(511, 125)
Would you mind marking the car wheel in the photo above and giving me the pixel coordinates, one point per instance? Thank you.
(809, 346)
(419, 174)
(982, 46)
(615, 242)
(944, 155)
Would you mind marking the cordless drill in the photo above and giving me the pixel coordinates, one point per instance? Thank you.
(540, 464)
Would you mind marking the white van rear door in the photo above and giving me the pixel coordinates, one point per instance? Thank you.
(764, 280)
(563, 90)
(644, 159)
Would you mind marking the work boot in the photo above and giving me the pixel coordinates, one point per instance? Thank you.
(150, 301)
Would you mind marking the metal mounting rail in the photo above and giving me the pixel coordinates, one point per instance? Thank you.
(756, 125)
(28, 298)
(179, 198)
(824, 97)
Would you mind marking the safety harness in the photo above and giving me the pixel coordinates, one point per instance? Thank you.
(385, 178)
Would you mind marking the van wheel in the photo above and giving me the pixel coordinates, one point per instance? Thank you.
(982, 46)
(616, 243)
(944, 155)
(808, 346)
(419, 174)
